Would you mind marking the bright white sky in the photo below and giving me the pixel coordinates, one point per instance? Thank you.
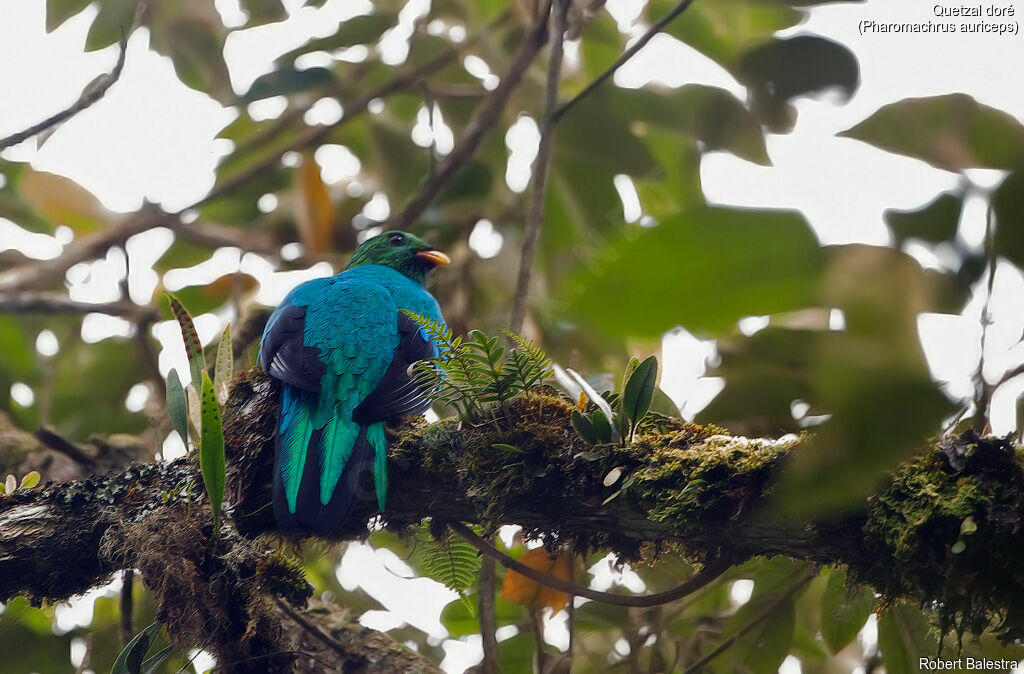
(153, 138)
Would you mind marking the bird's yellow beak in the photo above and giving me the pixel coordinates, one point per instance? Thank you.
(434, 257)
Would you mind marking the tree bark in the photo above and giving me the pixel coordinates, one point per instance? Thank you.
(683, 487)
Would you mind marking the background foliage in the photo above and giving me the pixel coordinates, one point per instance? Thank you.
(603, 289)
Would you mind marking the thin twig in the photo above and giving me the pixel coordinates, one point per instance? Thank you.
(127, 627)
(807, 576)
(484, 118)
(89, 96)
(312, 629)
(711, 570)
(488, 617)
(535, 215)
(45, 272)
(626, 55)
(58, 303)
(59, 443)
(983, 392)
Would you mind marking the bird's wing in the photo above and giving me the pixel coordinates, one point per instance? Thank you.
(283, 354)
(397, 394)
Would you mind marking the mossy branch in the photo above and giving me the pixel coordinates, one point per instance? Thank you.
(691, 490)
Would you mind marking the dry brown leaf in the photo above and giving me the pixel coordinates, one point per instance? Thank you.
(521, 590)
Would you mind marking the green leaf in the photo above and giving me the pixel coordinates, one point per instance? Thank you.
(785, 68)
(602, 427)
(177, 405)
(762, 649)
(59, 11)
(843, 610)
(263, 11)
(151, 665)
(211, 451)
(584, 427)
(193, 347)
(30, 479)
(507, 448)
(224, 364)
(638, 391)
(130, 659)
(903, 638)
(737, 263)
(935, 223)
(725, 29)
(115, 17)
(286, 81)
(713, 116)
(1007, 205)
(458, 618)
(357, 30)
(872, 378)
(952, 132)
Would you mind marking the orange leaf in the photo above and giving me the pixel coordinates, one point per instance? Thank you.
(521, 590)
(314, 211)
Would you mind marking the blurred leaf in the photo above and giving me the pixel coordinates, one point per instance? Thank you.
(13, 205)
(872, 378)
(114, 18)
(952, 132)
(460, 621)
(516, 655)
(287, 81)
(764, 373)
(59, 11)
(762, 649)
(177, 407)
(935, 223)
(601, 45)
(211, 451)
(29, 480)
(782, 69)
(314, 211)
(1007, 206)
(473, 182)
(521, 590)
(130, 659)
(737, 263)
(903, 638)
(362, 29)
(63, 201)
(844, 610)
(263, 11)
(224, 364)
(709, 114)
(725, 29)
(193, 347)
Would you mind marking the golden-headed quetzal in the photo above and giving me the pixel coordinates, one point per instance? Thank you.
(342, 346)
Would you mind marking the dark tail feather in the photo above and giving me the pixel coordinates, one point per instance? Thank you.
(310, 516)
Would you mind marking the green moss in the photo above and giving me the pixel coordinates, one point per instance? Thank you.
(698, 479)
(914, 524)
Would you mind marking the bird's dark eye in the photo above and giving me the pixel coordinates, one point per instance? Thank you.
(396, 240)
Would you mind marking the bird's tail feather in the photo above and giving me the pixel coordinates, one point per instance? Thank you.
(379, 441)
(305, 513)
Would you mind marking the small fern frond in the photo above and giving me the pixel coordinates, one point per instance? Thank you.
(450, 561)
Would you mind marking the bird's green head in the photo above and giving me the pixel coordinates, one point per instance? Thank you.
(401, 251)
